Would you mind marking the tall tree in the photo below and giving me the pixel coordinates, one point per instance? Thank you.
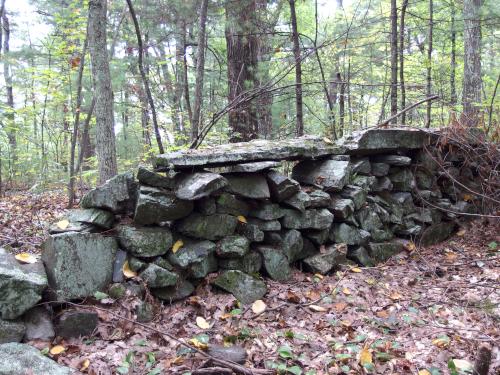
(430, 37)
(401, 59)
(242, 47)
(394, 59)
(453, 57)
(299, 127)
(105, 135)
(200, 71)
(472, 82)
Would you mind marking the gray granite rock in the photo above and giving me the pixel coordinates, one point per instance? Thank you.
(192, 186)
(150, 178)
(319, 199)
(281, 186)
(201, 269)
(387, 140)
(11, 331)
(381, 235)
(94, 216)
(300, 201)
(402, 179)
(275, 263)
(267, 211)
(265, 225)
(396, 160)
(118, 194)
(309, 249)
(364, 182)
(331, 175)
(316, 218)
(348, 234)
(192, 252)
(76, 323)
(38, 322)
(257, 166)
(158, 277)
(120, 259)
(243, 287)
(342, 208)
(78, 264)
(22, 359)
(361, 256)
(356, 194)
(437, 233)
(318, 237)
(380, 169)
(382, 184)
(233, 247)
(211, 227)
(181, 290)
(250, 263)
(229, 204)
(424, 179)
(382, 251)
(144, 312)
(251, 231)
(368, 219)
(248, 185)
(292, 244)
(21, 285)
(145, 242)
(323, 263)
(206, 206)
(361, 166)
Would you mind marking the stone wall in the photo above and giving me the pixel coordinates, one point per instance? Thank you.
(249, 211)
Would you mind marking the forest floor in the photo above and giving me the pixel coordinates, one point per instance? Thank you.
(425, 311)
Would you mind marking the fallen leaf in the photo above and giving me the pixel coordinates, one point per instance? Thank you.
(346, 291)
(395, 296)
(382, 314)
(340, 306)
(242, 219)
(292, 297)
(259, 307)
(63, 224)
(317, 308)
(441, 341)
(198, 344)
(58, 349)
(356, 270)
(370, 281)
(127, 272)
(424, 372)
(202, 323)
(327, 140)
(410, 246)
(365, 357)
(468, 197)
(25, 258)
(85, 365)
(178, 360)
(177, 245)
(461, 232)
(463, 365)
(319, 276)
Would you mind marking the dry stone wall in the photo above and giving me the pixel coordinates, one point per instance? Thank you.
(246, 211)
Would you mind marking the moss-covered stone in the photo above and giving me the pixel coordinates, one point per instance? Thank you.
(251, 263)
(233, 247)
(211, 227)
(146, 242)
(243, 287)
(316, 218)
(158, 277)
(174, 293)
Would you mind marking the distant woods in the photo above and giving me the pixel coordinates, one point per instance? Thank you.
(92, 87)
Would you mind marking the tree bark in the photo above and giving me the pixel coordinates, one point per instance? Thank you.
(429, 63)
(472, 63)
(299, 127)
(200, 71)
(105, 136)
(394, 58)
(144, 77)
(401, 59)
(453, 62)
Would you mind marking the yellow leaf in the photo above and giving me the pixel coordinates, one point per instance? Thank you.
(365, 357)
(198, 344)
(346, 323)
(327, 140)
(424, 372)
(463, 365)
(442, 341)
(468, 197)
(25, 258)
(180, 360)
(226, 316)
(202, 323)
(395, 296)
(259, 307)
(242, 219)
(63, 224)
(410, 246)
(319, 276)
(58, 349)
(127, 272)
(461, 233)
(317, 308)
(356, 270)
(370, 281)
(85, 365)
(346, 291)
(177, 245)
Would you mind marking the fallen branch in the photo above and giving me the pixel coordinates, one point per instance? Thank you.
(404, 110)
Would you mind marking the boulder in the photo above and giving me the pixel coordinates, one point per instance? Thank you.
(198, 185)
(331, 175)
(380, 169)
(361, 166)
(323, 263)
(402, 201)
(267, 211)
(424, 179)
(437, 233)
(181, 290)
(243, 287)
(265, 225)
(144, 312)
(211, 227)
(356, 194)
(250, 263)
(316, 218)
(300, 201)
(22, 359)
(364, 182)
(94, 216)
(385, 140)
(21, 285)
(382, 251)
(348, 234)
(150, 178)
(144, 242)
(275, 263)
(368, 219)
(257, 166)
(74, 323)
(361, 256)
(136, 264)
(11, 331)
(309, 249)
(155, 206)
(318, 237)
(192, 252)
(281, 186)
(229, 204)
(319, 199)
(201, 269)
(233, 247)
(120, 259)
(251, 231)
(381, 235)
(342, 208)
(78, 264)
(206, 206)
(396, 160)
(248, 185)
(38, 322)
(117, 194)
(402, 179)
(382, 184)
(292, 244)
(158, 277)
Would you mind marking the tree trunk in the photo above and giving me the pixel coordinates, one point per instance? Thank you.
(472, 62)
(299, 127)
(144, 77)
(105, 136)
(429, 63)
(394, 59)
(242, 46)
(401, 59)
(200, 71)
(453, 62)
